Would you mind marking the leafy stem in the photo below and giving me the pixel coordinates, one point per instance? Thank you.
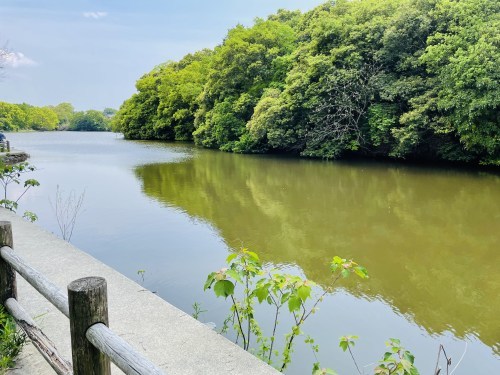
(235, 306)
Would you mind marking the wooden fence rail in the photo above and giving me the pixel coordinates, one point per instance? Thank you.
(46, 288)
(93, 344)
(41, 342)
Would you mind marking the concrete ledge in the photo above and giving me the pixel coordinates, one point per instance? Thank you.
(13, 156)
(169, 337)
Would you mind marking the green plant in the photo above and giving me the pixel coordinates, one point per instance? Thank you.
(345, 343)
(30, 216)
(283, 292)
(397, 360)
(12, 174)
(197, 310)
(317, 369)
(11, 340)
(142, 274)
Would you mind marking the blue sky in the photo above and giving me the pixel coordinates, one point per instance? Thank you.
(90, 53)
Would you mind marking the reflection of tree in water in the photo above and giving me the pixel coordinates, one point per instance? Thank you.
(429, 238)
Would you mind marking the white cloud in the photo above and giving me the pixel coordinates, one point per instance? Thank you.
(15, 59)
(95, 15)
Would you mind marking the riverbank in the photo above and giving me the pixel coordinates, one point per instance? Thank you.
(13, 156)
(169, 337)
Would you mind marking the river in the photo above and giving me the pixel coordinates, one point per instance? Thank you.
(429, 237)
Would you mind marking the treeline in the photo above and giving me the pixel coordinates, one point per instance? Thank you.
(16, 117)
(398, 78)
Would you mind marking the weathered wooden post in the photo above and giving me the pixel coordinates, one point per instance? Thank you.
(7, 274)
(8, 146)
(88, 305)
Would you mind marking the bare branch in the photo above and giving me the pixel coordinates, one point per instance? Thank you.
(345, 101)
(66, 210)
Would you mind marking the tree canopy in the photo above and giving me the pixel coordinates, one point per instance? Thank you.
(90, 120)
(16, 117)
(393, 78)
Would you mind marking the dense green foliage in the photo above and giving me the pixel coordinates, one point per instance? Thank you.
(90, 120)
(13, 174)
(285, 294)
(16, 117)
(64, 112)
(11, 341)
(397, 78)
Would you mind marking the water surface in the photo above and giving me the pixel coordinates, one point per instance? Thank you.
(429, 237)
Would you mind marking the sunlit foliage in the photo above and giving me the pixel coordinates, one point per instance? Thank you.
(393, 78)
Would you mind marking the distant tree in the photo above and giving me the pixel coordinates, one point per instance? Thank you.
(90, 120)
(181, 84)
(12, 118)
(137, 117)
(39, 118)
(65, 112)
(109, 112)
(248, 61)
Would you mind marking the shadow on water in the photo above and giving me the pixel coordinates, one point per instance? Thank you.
(429, 237)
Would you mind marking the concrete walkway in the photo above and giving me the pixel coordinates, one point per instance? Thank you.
(166, 335)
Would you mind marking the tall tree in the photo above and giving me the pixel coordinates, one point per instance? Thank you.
(90, 120)
(65, 112)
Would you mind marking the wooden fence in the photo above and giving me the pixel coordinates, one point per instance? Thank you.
(4, 146)
(93, 344)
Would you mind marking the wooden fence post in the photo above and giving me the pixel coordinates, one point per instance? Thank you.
(7, 274)
(88, 304)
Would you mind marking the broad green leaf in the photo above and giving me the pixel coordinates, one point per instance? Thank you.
(387, 355)
(261, 293)
(409, 357)
(235, 275)
(230, 257)
(223, 288)
(252, 255)
(285, 297)
(210, 281)
(294, 303)
(407, 365)
(338, 260)
(304, 292)
(343, 344)
(361, 272)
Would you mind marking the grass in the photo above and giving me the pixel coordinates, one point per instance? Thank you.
(11, 341)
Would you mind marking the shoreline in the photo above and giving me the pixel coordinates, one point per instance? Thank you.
(14, 156)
